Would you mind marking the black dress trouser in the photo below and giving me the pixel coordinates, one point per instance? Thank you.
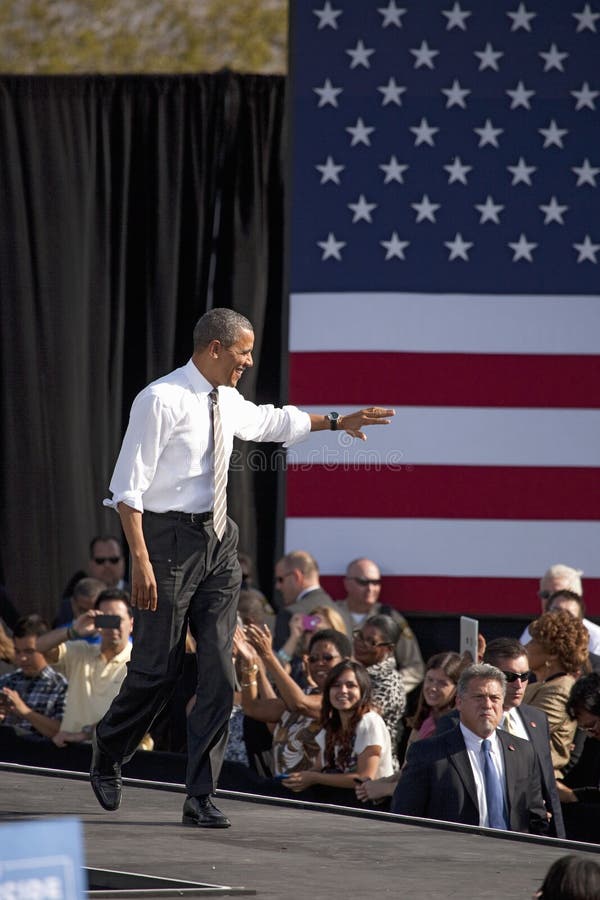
(198, 580)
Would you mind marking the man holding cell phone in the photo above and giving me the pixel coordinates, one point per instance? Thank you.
(95, 672)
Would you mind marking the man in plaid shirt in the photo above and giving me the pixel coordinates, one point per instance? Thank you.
(32, 699)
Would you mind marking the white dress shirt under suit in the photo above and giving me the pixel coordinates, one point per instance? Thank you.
(473, 744)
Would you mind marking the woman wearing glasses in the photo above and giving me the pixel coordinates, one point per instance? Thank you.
(557, 653)
(374, 645)
(294, 714)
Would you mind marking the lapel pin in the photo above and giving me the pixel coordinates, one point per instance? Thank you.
(510, 747)
(533, 724)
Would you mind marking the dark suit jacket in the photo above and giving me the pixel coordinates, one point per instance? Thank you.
(536, 726)
(581, 819)
(438, 783)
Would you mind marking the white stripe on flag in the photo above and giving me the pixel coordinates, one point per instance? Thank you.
(484, 548)
(444, 323)
(462, 436)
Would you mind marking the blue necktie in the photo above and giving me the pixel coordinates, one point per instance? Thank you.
(493, 790)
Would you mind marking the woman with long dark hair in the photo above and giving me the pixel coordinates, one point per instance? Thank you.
(438, 693)
(354, 740)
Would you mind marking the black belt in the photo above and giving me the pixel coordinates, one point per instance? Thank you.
(194, 518)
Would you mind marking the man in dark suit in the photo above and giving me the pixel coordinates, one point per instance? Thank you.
(297, 580)
(475, 774)
(527, 722)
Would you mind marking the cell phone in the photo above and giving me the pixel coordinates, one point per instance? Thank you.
(105, 621)
(281, 777)
(309, 623)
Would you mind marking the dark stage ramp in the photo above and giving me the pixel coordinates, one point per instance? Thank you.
(279, 850)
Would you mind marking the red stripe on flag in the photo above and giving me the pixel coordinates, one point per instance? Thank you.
(464, 596)
(445, 379)
(443, 492)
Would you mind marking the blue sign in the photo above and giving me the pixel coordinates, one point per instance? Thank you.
(42, 860)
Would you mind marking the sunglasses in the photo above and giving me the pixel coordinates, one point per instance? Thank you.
(325, 657)
(281, 578)
(359, 636)
(517, 676)
(367, 581)
(100, 560)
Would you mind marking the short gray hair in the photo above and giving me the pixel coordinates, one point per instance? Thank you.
(88, 587)
(479, 670)
(571, 577)
(219, 324)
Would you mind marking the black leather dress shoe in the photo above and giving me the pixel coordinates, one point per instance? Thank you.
(105, 776)
(201, 812)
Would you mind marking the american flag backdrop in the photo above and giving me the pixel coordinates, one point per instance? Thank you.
(445, 260)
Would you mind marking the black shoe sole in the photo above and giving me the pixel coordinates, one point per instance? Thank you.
(191, 822)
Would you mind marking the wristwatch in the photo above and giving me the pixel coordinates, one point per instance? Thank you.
(333, 418)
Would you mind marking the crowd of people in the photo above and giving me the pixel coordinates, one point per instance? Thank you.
(333, 701)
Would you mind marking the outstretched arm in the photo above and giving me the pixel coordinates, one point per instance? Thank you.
(83, 626)
(352, 423)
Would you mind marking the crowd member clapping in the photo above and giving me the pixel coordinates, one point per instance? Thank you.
(32, 698)
(557, 652)
(354, 741)
(295, 713)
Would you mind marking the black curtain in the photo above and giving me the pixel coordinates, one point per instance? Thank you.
(129, 206)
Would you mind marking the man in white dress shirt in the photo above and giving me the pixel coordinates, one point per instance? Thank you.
(168, 481)
(474, 774)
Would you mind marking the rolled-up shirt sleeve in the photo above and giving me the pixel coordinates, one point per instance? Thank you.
(149, 428)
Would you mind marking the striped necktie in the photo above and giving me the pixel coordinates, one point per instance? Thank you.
(220, 501)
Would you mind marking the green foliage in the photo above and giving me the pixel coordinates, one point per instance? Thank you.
(118, 36)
